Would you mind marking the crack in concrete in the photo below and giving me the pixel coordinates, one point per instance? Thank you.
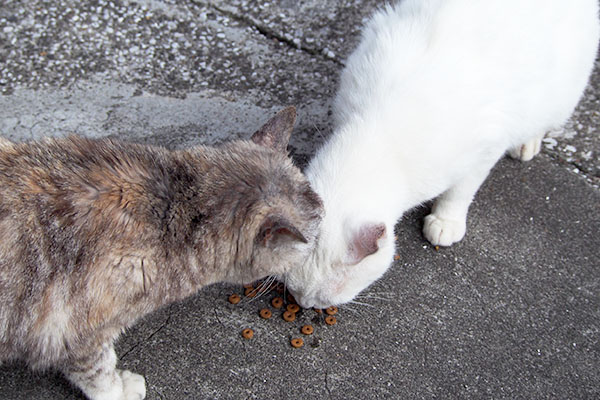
(217, 317)
(155, 332)
(327, 384)
(270, 33)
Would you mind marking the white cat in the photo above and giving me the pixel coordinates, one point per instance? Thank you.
(436, 92)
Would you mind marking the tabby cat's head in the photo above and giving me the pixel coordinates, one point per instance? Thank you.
(268, 213)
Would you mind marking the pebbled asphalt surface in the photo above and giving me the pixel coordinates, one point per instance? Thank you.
(511, 312)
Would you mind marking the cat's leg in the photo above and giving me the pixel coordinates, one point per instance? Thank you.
(447, 222)
(527, 150)
(96, 375)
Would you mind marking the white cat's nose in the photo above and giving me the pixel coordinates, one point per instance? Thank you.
(305, 303)
(301, 300)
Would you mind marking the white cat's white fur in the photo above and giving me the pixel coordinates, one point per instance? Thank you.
(436, 92)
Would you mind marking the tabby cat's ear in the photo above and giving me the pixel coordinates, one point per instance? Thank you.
(275, 134)
(276, 230)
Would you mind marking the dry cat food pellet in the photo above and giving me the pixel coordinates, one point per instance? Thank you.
(289, 316)
(277, 302)
(437, 248)
(234, 299)
(307, 330)
(294, 308)
(331, 310)
(289, 311)
(396, 257)
(247, 333)
(265, 313)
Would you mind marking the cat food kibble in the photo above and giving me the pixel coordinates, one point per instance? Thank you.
(307, 330)
(331, 310)
(277, 302)
(247, 333)
(293, 308)
(290, 311)
(289, 316)
(265, 313)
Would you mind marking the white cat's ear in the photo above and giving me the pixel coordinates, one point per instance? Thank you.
(275, 134)
(363, 242)
(276, 230)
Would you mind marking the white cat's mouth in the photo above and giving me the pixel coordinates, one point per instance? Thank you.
(312, 304)
(307, 301)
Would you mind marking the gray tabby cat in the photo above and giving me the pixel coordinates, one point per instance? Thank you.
(94, 234)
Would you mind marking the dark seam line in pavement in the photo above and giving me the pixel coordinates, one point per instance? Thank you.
(270, 34)
(160, 328)
(588, 175)
(217, 316)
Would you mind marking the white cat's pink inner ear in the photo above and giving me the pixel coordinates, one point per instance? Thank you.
(364, 242)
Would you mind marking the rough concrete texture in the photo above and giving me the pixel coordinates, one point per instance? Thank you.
(512, 311)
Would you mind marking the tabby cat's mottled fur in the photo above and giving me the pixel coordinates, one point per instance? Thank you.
(95, 234)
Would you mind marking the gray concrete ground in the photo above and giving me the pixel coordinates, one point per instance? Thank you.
(513, 311)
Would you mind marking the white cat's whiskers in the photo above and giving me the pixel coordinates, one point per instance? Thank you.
(383, 296)
(352, 310)
(356, 309)
(359, 303)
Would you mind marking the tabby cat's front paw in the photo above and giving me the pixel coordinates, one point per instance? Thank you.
(134, 385)
(443, 232)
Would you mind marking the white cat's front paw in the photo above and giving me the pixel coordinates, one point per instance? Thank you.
(527, 151)
(134, 385)
(443, 232)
